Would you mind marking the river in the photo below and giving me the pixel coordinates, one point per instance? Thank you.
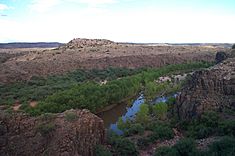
(111, 116)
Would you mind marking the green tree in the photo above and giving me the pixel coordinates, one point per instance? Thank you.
(143, 115)
(160, 110)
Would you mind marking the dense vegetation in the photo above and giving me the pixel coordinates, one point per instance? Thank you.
(39, 88)
(220, 128)
(187, 147)
(153, 123)
(207, 125)
(94, 96)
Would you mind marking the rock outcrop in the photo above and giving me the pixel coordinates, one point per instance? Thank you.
(74, 132)
(82, 42)
(211, 89)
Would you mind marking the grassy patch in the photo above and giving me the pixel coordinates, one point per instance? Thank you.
(70, 116)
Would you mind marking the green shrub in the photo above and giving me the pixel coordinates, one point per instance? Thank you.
(200, 131)
(186, 147)
(102, 151)
(160, 110)
(166, 151)
(224, 147)
(46, 129)
(70, 116)
(47, 117)
(143, 115)
(161, 132)
(112, 137)
(124, 147)
(135, 129)
(155, 123)
(227, 127)
(152, 88)
(210, 119)
(202, 127)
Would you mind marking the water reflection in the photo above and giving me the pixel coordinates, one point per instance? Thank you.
(111, 116)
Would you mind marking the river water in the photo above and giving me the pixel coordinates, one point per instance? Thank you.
(111, 116)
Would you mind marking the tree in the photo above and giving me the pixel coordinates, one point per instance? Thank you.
(143, 115)
(160, 110)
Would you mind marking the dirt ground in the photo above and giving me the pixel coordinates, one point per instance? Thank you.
(22, 64)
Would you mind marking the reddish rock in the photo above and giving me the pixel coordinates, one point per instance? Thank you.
(51, 134)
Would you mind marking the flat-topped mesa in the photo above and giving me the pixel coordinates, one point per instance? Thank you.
(82, 42)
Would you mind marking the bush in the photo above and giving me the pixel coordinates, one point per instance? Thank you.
(161, 132)
(227, 127)
(124, 147)
(224, 147)
(202, 127)
(112, 137)
(70, 116)
(135, 129)
(152, 89)
(200, 131)
(186, 147)
(46, 129)
(166, 151)
(102, 151)
(210, 119)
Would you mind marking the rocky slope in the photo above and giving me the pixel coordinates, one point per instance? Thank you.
(98, 54)
(69, 133)
(211, 89)
(81, 42)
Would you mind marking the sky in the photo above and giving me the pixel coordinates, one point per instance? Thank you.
(140, 21)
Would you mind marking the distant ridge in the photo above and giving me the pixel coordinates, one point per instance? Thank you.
(30, 45)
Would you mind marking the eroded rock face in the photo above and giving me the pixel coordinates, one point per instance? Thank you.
(69, 133)
(211, 89)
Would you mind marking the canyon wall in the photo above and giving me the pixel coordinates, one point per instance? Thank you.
(210, 89)
(74, 132)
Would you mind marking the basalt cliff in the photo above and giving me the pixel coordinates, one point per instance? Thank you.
(74, 132)
(210, 89)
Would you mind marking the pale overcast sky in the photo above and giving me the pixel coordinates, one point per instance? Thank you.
(159, 21)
